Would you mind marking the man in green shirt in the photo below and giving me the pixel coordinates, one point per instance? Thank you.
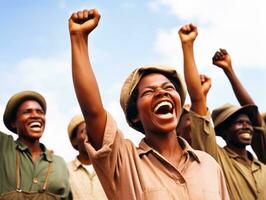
(245, 175)
(26, 166)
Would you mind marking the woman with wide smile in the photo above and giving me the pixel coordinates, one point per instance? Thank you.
(164, 166)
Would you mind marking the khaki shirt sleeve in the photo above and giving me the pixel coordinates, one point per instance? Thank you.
(110, 158)
(259, 142)
(203, 135)
(223, 186)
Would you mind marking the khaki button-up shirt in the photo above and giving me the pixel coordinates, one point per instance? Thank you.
(84, 184)
(244, 181)
(127, 172)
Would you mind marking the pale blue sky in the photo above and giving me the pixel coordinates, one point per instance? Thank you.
(35, 51)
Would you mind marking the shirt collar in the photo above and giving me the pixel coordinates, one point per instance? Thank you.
(47, 154)
(144, 148)
(76, 164)
(233, 154)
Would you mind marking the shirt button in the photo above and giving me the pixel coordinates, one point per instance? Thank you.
(182, 180)
(259, 190)
(35, 180)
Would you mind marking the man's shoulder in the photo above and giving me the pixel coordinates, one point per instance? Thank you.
(5, 137)
(205, 157)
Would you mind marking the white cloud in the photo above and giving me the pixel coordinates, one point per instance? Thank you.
(235, 25)
(52, 78)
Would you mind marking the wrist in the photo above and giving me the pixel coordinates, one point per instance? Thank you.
(78, 36)
(228, 70)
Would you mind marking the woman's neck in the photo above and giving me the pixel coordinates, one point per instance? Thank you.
(167, 145)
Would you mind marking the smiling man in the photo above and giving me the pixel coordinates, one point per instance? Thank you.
(27, 168)
(245, 175)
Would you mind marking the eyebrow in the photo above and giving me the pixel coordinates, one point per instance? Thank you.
(163, 84)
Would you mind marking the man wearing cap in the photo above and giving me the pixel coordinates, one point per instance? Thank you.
(84, 182)
(27, 169)
(164, 166)
(245, 175)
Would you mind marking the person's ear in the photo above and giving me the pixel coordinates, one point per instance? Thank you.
(136, 119)
(13, 125)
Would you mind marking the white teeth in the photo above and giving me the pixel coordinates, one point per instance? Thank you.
(35, 124)
(246, 135)
(163, 103)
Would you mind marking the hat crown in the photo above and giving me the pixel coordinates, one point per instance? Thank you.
(74, 122)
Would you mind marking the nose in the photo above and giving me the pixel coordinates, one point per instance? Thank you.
(161, 92)
(247, 125)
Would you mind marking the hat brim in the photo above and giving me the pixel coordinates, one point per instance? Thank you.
(250, 110)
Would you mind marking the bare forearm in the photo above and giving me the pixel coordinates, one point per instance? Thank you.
(87, 90)
(85, 83)
(240, 92)
(193, 82)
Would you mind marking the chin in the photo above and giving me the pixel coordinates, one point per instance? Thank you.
(167, 130)
(36, 136)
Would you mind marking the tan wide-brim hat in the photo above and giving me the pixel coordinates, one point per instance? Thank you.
(74, 122)
(223, 114)
(134, 78)
(15, 101)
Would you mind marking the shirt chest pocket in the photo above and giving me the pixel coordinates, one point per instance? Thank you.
(156, 193)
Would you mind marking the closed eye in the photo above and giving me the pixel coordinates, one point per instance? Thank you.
(169, 87)
(146, 92)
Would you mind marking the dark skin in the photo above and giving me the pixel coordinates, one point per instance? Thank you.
(198, 86)
(239, 135)
(188, 34)
(81, 24)
(78, 140)
(160, 131)
(30, 124)
(223, 60)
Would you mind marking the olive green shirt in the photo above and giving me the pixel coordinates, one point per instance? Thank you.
(32, 173)
(244, 181)
(259, 142)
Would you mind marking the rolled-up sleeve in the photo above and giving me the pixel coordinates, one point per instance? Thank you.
(203, 135)
(107, 159)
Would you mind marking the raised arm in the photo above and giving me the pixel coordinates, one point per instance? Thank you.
(223, 60)
(188, 34)
(81, 24)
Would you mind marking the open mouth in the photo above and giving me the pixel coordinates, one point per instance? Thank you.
(163, 108)
(36, 126)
